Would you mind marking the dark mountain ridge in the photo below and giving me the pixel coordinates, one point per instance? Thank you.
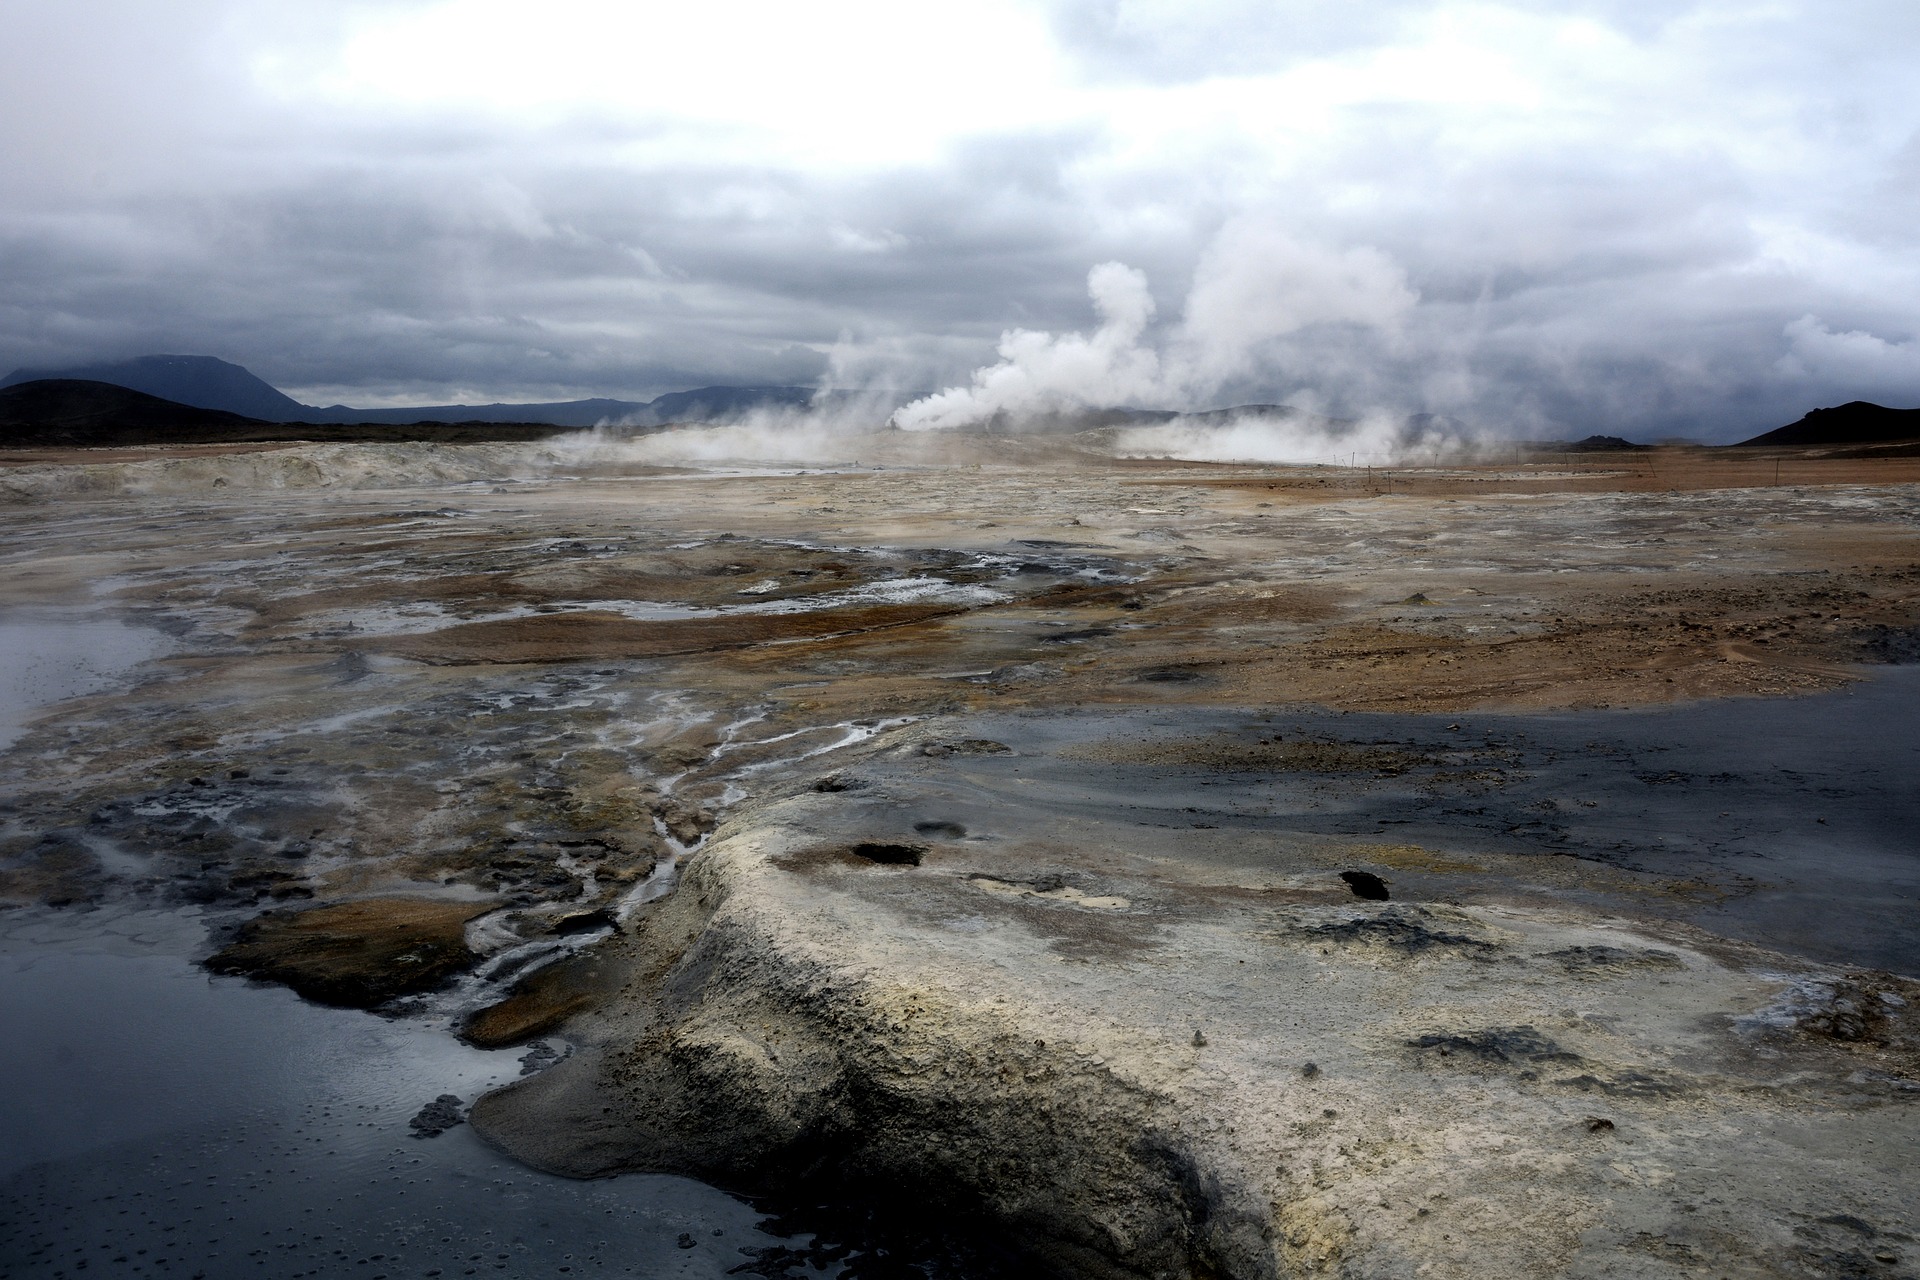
(204, 382)
(1856, 422)
(75, 413)
(201, 382)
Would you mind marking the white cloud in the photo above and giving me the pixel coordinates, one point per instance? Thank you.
(1256, 284)
(1255, 287)
(1545, 214)
(1854, 356)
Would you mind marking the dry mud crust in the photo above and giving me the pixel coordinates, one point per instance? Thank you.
(358, 954)
(1135, 1068)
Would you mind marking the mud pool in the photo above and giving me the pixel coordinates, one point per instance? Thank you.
(193, 1126)
(54, 655)
(1788, 823)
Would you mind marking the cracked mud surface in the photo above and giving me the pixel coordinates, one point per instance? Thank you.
(1013, 803)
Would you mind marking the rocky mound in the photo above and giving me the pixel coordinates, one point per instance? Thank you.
(1230, 1063)
(1857, 422)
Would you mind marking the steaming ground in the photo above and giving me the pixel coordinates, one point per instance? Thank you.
(439, 729)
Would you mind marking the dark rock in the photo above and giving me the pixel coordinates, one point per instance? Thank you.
(585, 921)
(1366, 885)
(538, 1003)
(438, 1116)
(967, 747)
(539, 1058)
(1403, 929)
(1504, 1046)
(1578, 959)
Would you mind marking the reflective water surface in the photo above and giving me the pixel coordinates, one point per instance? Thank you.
(155, 1121)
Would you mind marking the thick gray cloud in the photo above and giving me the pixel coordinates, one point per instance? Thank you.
(1694, 218)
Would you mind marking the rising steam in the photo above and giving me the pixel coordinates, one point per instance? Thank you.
(1255, 290)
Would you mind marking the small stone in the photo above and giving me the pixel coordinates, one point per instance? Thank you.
(1599, 1124)
(1199, 1041)
(1310, 1070)
(686, 1240)
(438, 1116)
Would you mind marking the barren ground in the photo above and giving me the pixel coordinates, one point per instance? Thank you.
(480, 711)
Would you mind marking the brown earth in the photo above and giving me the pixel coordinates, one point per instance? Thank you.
(595, 636)
(540, 1002)
(359, 954)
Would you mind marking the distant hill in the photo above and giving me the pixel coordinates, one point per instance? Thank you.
(207, 383)
(1857, 422)
(708, 404)
(71, 411)
(565, 413)
(198, 381)
(75, 413)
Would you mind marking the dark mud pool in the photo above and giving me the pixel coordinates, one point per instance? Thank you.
(158, 1122)
(1793, 823)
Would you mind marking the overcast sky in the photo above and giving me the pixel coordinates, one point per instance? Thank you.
(1643, 217)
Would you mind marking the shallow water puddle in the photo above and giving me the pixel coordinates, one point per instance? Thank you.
(189, 1126)
(1786, 822)
(51, 656)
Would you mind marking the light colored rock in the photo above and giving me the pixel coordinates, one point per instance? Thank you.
(1494, 1090)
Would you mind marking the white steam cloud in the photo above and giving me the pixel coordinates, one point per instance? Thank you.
(1254, 288)
(1378, 439)
(1264, 306)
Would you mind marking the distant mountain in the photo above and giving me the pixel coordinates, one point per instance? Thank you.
(1604, 444)
(1857, 422)
(563, 413)
(200, 381)
(204, 382)
(704, 404)
(709, 404)
(69, 411)
(74, 413)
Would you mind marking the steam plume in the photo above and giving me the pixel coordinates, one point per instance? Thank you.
(1254, 288)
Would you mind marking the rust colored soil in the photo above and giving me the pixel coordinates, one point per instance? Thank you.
(357, 954)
